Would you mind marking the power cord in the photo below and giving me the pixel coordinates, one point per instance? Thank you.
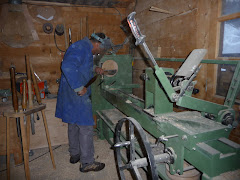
(56, 42)
(34, 158)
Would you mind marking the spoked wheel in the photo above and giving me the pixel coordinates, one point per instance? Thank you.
(135, 140)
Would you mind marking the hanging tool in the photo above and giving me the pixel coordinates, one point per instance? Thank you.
(35, 85)
(70, 36)
(24, 97)
(14, 96)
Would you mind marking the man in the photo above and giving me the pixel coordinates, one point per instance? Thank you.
(73, 102)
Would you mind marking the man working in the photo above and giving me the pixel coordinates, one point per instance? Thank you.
(73, 103)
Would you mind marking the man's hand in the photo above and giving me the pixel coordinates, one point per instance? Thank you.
(82, 92)
(99, 70)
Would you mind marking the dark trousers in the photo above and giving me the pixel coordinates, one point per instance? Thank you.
(81, 142)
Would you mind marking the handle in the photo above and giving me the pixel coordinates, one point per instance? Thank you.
(140, 39)
(35, 85)
(91, 81)
(24, 97)
(29, 82)
(14, 89)
(135, 29)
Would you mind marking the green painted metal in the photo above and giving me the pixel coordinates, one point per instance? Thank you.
(165, 82)
(155, 96)
(197, 130)
(124, 86)
(198, 140)
(122, 77)
(234, 88)
(205, 61)
(200, 105)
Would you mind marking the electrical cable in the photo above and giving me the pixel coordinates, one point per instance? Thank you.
(56, 42)
(34, 158)
(135, 5)
(118, 12)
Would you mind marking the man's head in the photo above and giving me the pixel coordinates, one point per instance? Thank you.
(101, 43)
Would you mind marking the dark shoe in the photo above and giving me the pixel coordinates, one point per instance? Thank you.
(95, 166)
(74, 159)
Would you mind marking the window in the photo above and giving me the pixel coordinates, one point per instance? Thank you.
(229, 45)
(225, 74)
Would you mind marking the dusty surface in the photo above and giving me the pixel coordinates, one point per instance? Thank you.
(41, 168)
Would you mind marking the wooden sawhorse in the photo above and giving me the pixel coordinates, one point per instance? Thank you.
(25, 133)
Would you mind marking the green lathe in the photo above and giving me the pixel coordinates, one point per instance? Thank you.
(148, 134)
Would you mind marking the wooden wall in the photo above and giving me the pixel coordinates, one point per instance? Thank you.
(44, 56)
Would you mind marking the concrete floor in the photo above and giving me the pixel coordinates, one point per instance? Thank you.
(41, 168)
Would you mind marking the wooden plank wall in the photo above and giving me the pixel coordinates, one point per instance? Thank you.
(45, 57)
(192, 24)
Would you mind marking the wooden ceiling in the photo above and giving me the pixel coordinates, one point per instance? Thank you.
(100, 3)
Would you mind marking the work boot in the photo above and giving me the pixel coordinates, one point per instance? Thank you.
(74, 159)
(95, 166)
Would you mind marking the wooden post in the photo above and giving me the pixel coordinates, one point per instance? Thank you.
(8, 147)
(81, 29)
(29, 82)
(48, 137)
(24, 95)
(159, 51)
(25, 148)
(28, 124)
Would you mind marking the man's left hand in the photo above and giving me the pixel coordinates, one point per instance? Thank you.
(99, 70)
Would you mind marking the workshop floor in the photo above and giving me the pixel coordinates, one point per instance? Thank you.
(41, 167)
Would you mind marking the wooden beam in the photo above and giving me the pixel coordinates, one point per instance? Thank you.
(156, 9)
(229, 17)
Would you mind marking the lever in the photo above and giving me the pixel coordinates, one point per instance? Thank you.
(140, 39)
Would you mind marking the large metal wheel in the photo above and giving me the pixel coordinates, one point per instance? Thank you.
(135, 137)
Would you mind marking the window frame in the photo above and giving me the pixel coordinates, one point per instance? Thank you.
(221, 18)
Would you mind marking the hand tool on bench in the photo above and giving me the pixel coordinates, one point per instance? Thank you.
(14, 96)
(35, 85)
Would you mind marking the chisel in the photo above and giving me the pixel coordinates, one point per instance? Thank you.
(109, 72)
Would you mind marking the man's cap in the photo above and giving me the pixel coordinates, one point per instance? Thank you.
(106, 43)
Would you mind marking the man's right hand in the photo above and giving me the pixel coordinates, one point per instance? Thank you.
(82, 92)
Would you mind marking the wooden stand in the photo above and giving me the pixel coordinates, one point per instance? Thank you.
(25, 133)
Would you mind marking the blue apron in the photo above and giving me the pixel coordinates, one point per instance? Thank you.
(77, 70)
